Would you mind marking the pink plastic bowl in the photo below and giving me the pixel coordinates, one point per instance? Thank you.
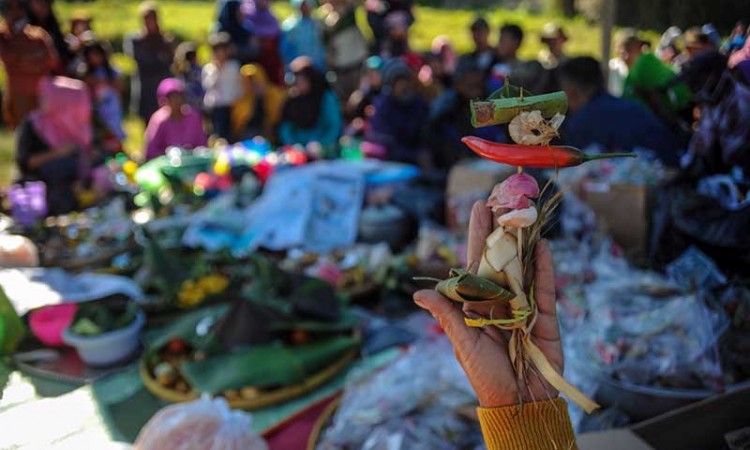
(49, 323)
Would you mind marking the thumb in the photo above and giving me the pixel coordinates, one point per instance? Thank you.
(449, 317)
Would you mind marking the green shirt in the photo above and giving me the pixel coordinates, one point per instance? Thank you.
(650, 73)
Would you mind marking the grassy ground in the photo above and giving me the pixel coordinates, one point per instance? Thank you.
(192, 20)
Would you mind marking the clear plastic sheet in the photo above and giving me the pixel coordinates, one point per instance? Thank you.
(204, 424)
(694, 270)
(410, 404)
(632, 325)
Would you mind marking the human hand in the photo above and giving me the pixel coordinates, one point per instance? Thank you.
(483, 352)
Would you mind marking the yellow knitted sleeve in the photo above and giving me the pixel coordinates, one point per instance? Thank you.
(534, 426)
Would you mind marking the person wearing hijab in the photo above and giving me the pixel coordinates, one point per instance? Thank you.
(311, 113)
(176, 123)
(259, 19)
(28, 54)
(54, 143)
(743, 54)
(359, 104)
(303, 36)
(736, 39)
(42, 15)
(153, 52)
(105, 84)
(259, 109)
(400, 115)
(230, 22)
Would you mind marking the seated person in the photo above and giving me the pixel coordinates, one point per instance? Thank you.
(54, 143)
(369, 87)
(105, 84)
(436, 75)
(311, 112)
(395, 128)
(450, 117)
(617, 125)
(259, 110)
(174, 124)
(652, 83)
(721, 143)
(506, 55)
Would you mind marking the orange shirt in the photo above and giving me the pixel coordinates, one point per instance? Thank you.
(27, 56)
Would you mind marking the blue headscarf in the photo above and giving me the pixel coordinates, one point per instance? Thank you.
(230, 22)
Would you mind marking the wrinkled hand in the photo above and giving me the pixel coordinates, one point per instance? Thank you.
(483, 352)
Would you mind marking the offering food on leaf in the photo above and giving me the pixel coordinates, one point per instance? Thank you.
(504, 278)
(285, 333)
(349, 271)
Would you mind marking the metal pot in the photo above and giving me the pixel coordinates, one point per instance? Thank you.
(384, 223)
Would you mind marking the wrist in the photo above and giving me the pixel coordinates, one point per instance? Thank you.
(503, 400)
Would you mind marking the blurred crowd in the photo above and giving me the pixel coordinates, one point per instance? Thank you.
(314, 79)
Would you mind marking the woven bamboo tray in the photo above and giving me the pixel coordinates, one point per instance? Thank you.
(323, 420)
(265, 399)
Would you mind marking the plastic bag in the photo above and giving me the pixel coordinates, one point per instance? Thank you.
(647, 333)
(204, 424)
(694, 270)
(410, 404)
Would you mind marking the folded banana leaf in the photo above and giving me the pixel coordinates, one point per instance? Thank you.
(265, 366)
(347, 321)
(185, 327)
(507, 102)
(245, 324)
(314, 299)
(463, 286)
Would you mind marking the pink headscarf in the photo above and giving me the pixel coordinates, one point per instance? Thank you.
(64, 113)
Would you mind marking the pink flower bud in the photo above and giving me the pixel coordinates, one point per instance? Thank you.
(514, 192)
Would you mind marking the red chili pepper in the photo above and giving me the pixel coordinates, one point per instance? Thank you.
(542, 157)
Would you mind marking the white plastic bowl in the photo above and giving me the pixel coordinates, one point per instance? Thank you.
(107, 348)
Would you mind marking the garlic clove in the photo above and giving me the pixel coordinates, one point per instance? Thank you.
(519, 218)
(502, 252)
(494, 237)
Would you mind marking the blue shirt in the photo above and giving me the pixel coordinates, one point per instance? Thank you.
(397, 125)
(303, 36)
(620, 125)
(326, 131)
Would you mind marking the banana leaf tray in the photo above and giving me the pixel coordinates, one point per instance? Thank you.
(265, 398)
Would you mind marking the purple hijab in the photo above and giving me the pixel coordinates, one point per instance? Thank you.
(259, 19)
